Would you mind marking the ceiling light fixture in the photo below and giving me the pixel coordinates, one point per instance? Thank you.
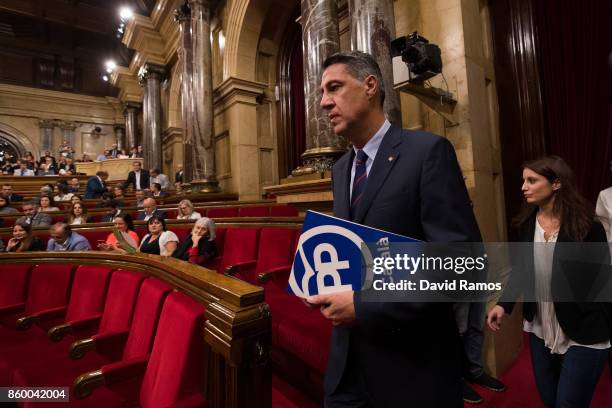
(126, 13)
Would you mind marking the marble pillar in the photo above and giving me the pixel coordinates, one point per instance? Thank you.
(372, 30)
(150, 76)
(200, 148)
(46, 134)
(68, 132)
(120, 137)
(320, 39)
(130, 112)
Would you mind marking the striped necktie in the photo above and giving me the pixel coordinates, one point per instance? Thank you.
(359, 182)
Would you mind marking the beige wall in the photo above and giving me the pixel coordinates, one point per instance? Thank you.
(22, 108)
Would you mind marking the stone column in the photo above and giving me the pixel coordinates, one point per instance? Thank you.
(120, 136)
(150, 76)
(131, 124)
(46, 134)
(372, 29)
(68, 132)
(199, 141)
(320, 39)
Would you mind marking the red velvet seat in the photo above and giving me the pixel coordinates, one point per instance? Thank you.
(110, 345)
(48, 288)
(283, 210)
(173, 375)
(57, 218)
(171, 214)
(13, 284)
(254, 211)
(240, 248)
(84, 309)
(222, 212)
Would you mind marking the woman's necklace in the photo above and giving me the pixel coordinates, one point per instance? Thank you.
(550, 226)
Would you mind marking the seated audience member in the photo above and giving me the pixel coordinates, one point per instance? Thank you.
(65, 150)
(8, 168)
(118, 193)
(47, 204)
(78, 214)
(113, 151)
(123, 155)
(123, 223)
(23, 240)
(158, 177)
(76, 199)
(32, 216)
(5, 206)
(67, 168)
(159, 241)
(31, 161)
(46, 189)
(96, 185)
(64, 239)
(140, 197)
(23, 171)
(47, 168)
(200, 246)
(186, 211)
(139, 179)
(150, 210)
(113, 210)
(62, 194)
(85, 158)
(74, 185)
(139, 152)
(156, 190)
(105, 155)
(133, 152)
(7, 192)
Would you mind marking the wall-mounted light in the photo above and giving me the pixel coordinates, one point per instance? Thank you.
(105, 78)
(110, 64)
(126, 13)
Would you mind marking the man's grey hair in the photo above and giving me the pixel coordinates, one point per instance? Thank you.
(360, 65)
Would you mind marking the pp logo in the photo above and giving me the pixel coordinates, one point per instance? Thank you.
(328, 260)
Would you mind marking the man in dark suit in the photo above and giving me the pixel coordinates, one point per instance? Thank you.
(178, 176)
(150, 210)
(391, 354)
(138, 177)
(7, 192)
(96, 185)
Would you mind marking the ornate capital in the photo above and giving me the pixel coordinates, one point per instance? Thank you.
(151, 71)
(183, 12)
(67, 125)
(132, 107)
(46, 123)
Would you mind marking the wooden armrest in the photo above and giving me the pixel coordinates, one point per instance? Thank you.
(273, 274)
(80, 347)
(109, 374)
(86, 383)
(235, 268)
(25, 322)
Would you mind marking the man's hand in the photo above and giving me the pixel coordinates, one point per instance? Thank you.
(337, 307)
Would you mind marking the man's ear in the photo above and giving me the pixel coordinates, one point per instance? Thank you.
(371, 86)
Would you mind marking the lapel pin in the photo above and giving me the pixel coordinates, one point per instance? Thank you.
(390, 158)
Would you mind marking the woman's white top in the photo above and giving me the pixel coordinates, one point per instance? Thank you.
(193, 216)
(65, 197)
(77, 221)
(545, 324)
(164, 238)
(604, 210)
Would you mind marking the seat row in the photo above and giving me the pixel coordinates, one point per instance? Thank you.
(115, 337)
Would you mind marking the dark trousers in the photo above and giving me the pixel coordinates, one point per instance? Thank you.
(470, 317)
(351, 392)
(566, 380)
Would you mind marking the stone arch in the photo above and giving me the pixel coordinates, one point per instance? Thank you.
(17, 139)
(243, 27)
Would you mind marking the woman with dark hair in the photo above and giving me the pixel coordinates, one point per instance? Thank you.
(159, 240)
(569, 341)
(47, 204)
(123, 223)
(78, 214)
(61, 192)
(199, 247)
(5, 206)
(23, 240)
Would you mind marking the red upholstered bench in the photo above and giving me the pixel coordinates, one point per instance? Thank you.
(13, 284)
(222, 212)
(254, 211)
(283, 210)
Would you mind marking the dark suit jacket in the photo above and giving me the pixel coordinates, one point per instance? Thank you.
(14, 198)
(178, 177)
(144, 179)
(405, 351)
(583, 322)
(157, 212)
(95, 188)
